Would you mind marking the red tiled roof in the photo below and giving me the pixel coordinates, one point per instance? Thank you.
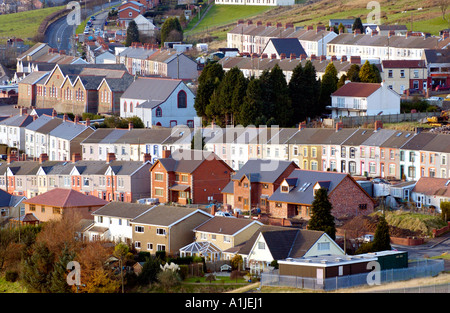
(432, 186)
(65, 198)
(353, 89)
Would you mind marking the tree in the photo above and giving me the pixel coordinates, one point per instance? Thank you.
(341, 28)
(445, 210)
(328, 86)
(357, 24)
(281, 109)
(369, 73)
(37, 269)
(251, 105)
(58, 281)
(341, 81)
(132, 33)
(121, 251)
(303, 92)
(321, 218)
(353, 73)
(171, 30)
(150, 270)
(211, 76)
(381, 239)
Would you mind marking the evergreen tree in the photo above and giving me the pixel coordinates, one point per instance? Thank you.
(341, 27)
(132, 33)
(304, 90)
(321, 218)
(150, 270)
(58, 281)
(353, 73)
(328, 86)
(171, 30)
(341, 81)
(251, 109)
(211, 76)
(382, 239)
(369, 73)
(357, 24)
(281, 109)
(38, 268)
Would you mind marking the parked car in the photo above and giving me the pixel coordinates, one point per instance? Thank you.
(367, 238)
(224, 214)
(442, 87)
(434, 99)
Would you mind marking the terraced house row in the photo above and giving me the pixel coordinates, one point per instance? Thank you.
(371, 152)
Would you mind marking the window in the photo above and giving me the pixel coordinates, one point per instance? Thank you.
(161, 231)
(182, 100)
(137, 244)
(322, 246)
(362, 206)
(159, 192)
(158, 112)
(139, 229)
(390, 74)
(226, 239)
(149, 246)
(352, 153)
(161, 247)
(159, 176)
(261, 245)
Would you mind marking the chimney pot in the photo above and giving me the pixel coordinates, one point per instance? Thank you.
(165, 154)
(76, 157)
(43, 158)
(339, 126)
(110, 157)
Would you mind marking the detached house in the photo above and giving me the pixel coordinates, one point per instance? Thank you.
(166, 228)
(189, 176)
(159, 102)
(279, 243)
(364, 99)
(255, 182)
(431, 192)
(296, 194)
(58, 202)
(113, 221)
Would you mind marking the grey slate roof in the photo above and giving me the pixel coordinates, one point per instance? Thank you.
(287, 46)
(379, 137)
(304, 177)
(151, 89)
(186, 161)
(68, 130)
(122, 209)
(17, 120)
(419, 141)
(163, 215)
(262, 171)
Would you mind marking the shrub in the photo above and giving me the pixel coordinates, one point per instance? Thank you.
(11, 276)
(184, 271)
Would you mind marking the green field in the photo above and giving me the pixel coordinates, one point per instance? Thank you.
(24, 25)
(220, 15)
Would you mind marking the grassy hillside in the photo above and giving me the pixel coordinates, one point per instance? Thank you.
(422, 15)
(23, 25)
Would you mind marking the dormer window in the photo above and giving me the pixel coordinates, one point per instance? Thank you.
(284, 189)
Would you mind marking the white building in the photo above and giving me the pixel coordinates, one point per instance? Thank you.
(364, 99)
(159, 102)
(112, 221)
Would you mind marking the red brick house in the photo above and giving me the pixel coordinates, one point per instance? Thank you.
(189, 176)
(296, 194)
(255, 182)
(129, 11)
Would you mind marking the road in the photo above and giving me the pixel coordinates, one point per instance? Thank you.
(59, 33)
(433, 247)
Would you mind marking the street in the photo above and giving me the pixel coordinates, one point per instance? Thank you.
(60, 33)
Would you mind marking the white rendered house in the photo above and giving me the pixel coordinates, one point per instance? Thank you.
(364, 99)
(159, 102)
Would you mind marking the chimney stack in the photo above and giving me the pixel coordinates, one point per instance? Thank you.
(282, 56)
(76, 119)
(88, 122)
(43, 158)
(302, 125)
(147, 157)
(110, 157)
(323, 58)
(165, 154)
(378, 125)
(354, 59)
(130, 125)
(292, 56)
(339, 126)
(76, 157)
(65, 117)
(12, 156)
(344, 58)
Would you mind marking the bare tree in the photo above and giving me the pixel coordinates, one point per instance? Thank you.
(443, 6)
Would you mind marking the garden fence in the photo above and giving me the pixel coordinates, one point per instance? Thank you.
(416, 269)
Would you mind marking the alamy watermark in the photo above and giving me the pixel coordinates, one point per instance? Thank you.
(74, 16)
(74, 276)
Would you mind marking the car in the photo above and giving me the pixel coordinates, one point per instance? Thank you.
(224, 214)
(442, 87)
(434, 99)
(367, 238)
